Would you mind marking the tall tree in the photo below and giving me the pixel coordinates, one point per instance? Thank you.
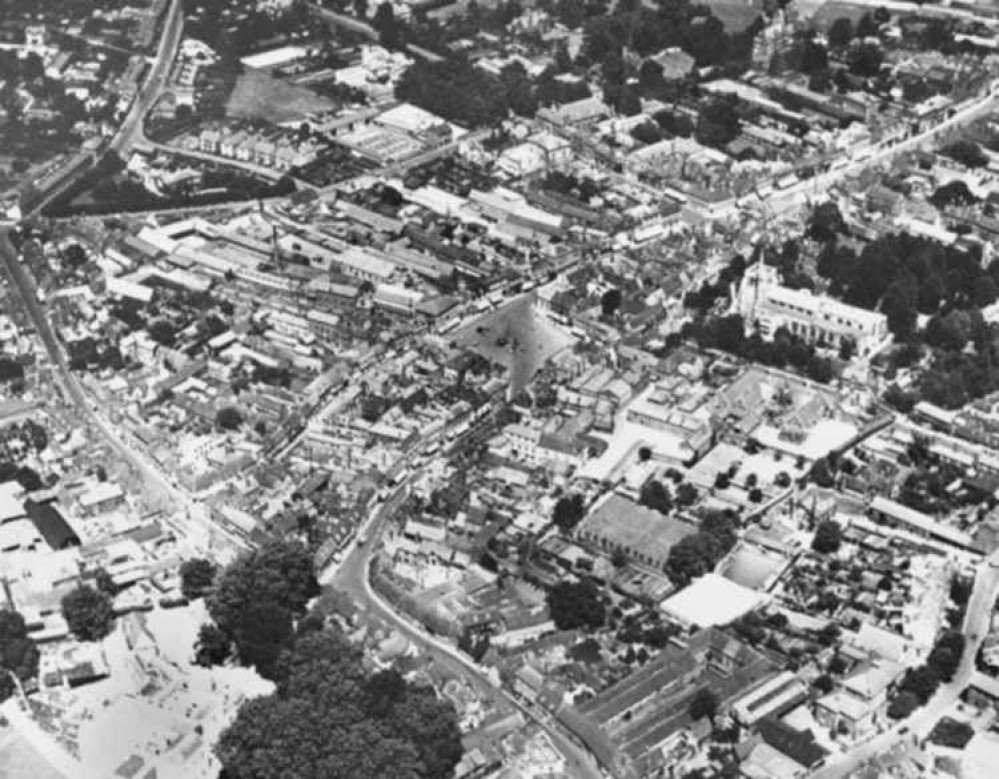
(88, 613)
(328, 718)
(196, 577)
(18, 653)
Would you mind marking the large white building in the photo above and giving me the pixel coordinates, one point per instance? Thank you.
(763, 303)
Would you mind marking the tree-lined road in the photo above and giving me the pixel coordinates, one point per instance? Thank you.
(976, 628)
(351, 576)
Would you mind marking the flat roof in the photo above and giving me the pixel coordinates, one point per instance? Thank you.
(712, 600)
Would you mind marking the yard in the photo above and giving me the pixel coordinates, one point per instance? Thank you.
(260, 96)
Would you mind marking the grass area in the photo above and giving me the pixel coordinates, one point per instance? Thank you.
(260, 96)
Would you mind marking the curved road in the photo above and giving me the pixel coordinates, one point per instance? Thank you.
(352, 577)
(976, 628)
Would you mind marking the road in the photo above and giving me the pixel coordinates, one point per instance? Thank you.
(158, 485)
(352, 577)
(976, 627)
(130, 130)
(818, 186)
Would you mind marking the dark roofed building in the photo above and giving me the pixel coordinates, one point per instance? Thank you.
(628, 725)
(799, 745)
(52, 526)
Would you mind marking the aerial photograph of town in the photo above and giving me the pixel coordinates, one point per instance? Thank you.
(499, 389)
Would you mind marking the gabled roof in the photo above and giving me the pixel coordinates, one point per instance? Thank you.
(799, 745)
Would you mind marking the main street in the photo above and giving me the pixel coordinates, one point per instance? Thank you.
(158, 486)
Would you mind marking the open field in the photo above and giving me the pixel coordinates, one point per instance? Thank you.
(260, 96)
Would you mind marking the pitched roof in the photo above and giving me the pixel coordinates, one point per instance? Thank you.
(799, 745)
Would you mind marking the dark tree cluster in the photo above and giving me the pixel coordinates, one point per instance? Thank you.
(330, 718)
(728, 334)
(576, 605)
(655, 495)
(88, 613)
(904, 275)
(455, 90)
(697, 554)
(569, 510)
(18, 653)
(196, 577)
(921, 682)
(704, 299)
(828, 537)
(256, 599)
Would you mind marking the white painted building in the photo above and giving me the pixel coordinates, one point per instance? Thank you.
(763, 302)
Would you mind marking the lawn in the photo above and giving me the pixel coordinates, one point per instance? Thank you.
(260, 96)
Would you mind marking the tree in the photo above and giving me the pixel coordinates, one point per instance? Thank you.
(384, 22)
(18, 653)
(644, 454)
(865, 60)
(228, 418)
(654, 495)
(704, 703)
(576, 605)
(569, 510)
(841, 32)
(828, 537)
(361, 8)
(718, 124)
(256, 599)
(610, 302)
(847, 348)
(722, 481)
(968, 153)
(952, 193)
(163, 332)
(824, 684)
(619, 558)
(329, 718)
(756, 495)
(88, 613)
(213, 646)
(686, 495)
(196, 577)
(104, 583)
(825, 222)
(647, 133)
(902, 705)
(867, 27)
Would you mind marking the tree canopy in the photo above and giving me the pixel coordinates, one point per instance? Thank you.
(257, 598)
(576, 605)
(196, 577)
(569, 510)
(828, 537)
(88, 613)
(18, 653)
(695, 555)
(329, 718)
